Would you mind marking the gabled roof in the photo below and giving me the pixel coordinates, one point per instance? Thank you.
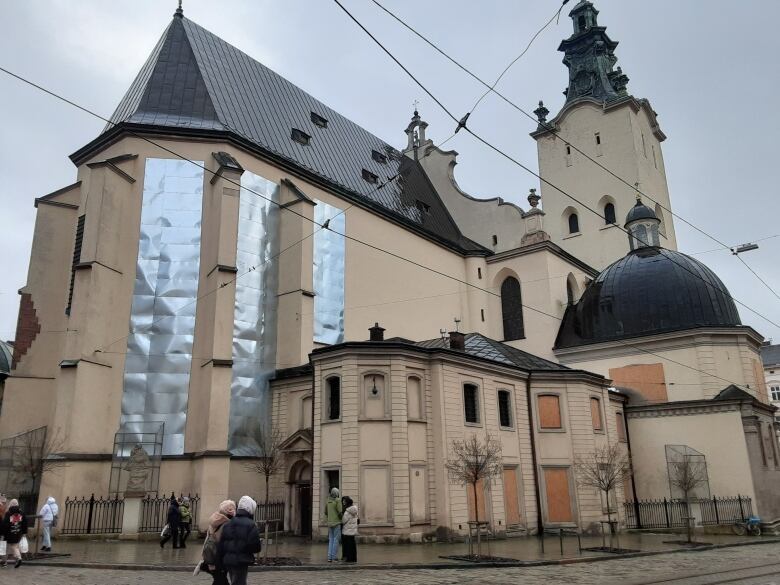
(733, 392)
(770, 355)
(196, 84)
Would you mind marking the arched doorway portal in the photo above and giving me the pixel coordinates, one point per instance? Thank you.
(299, 482)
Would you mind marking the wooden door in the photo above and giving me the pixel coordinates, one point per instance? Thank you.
(511, 496)
(556, 484)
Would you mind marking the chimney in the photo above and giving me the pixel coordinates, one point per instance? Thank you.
(457, 340)
(377, 333)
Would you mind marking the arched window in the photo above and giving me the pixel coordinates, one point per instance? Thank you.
(609, 214)
(512, 309)
(574, 223)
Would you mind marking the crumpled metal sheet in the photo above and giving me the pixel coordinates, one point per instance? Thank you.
(255, 317)
(329, 250)
(162, 318)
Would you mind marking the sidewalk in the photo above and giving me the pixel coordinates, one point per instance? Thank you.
(107, 552)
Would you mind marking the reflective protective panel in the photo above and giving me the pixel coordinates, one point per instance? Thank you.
(329, 248)
(254, 321)
(162, 318)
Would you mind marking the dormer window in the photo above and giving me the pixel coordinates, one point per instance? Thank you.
(300, 136)
(319, 120)
(379, 157)
(582, 23)
(369, 176)
(423, 207)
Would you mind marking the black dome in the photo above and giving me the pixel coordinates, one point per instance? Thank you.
(640, 211)
(651, 290)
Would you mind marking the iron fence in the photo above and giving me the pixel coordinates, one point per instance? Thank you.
(93, 516)
(272, 513)
(154, 512)
(715, 511)
(655, 514)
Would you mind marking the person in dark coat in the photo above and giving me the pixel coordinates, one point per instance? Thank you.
(13, 528)
(174, 524)
(240, 542)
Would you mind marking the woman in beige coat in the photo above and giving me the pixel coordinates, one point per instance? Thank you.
(210, 562)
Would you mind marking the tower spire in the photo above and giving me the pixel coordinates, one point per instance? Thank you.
(590, 56)
(179, 11)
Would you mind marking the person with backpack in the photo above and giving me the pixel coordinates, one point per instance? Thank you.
(174, 523)
(240, 542)
(211, 563)
(185, 523)
(49, 513)
(349, 530)
(333, 511)
(14, 529)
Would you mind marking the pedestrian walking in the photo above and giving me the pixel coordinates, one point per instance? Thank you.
(240, 542)
(14, 530)
(174, 522)
(333, 512)
(49, 514)
(185, 525)
(211, 563)
(349, 530)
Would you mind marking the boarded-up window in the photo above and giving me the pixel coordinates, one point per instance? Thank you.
(512, 309)
(375, 495)
(418, 494)
(306, 413)
(414, 409)
(374, 396)
(621, 426)
(511, 497)
(471, 403)
(334, 398)
(595, 414)
(504, 408)
(556, 486)
(647, 379)
(480, 501)
(549, 411)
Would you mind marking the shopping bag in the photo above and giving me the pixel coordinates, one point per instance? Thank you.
(3, 546)
(24, 547)
(166, 531)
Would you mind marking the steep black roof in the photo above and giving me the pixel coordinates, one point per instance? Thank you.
(770, 355)
(196, 83)
(478, 345)
(650, 290)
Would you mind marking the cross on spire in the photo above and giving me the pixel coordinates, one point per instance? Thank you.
(416, 103)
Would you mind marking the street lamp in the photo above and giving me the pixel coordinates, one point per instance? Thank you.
(744, 248)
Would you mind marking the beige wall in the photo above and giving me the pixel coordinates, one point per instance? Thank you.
(697, 363)
(621, 129)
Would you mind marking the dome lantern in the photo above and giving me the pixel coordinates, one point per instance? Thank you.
(642, 225)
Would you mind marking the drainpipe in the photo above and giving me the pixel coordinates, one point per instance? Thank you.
(631, 460)
(314, 520)
(532, 435)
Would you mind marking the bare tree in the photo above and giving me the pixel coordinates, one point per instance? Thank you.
(471, 461)
(687, 475)
(269, 461)
(603, 469)
(34, 453)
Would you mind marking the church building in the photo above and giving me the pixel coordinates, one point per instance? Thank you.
(237, 261)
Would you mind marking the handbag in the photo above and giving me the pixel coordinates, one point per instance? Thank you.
(24, 546)
(166, 531)
(210, 551)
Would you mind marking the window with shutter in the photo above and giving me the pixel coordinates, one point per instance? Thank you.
(595, 414)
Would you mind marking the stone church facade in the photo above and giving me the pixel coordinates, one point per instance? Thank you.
(229, 260)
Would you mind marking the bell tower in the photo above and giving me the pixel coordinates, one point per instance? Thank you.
(602, 143)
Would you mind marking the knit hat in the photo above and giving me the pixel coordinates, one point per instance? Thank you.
(334, 493)
(13, 503)
(228, 508)
(247, 504)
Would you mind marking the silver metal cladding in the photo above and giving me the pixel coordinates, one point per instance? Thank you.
(162, 318)
(329, 251)
(254, 321)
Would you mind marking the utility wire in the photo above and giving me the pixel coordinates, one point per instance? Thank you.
(357, 240)
(550, 128)
(461, 124)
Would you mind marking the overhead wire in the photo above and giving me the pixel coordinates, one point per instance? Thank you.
(513, 160)
(352, 238)
(550, 128)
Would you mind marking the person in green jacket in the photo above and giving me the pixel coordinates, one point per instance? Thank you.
(333, 512)
(185, 526)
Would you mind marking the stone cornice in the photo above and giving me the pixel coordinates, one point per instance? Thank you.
(547, 246)
(682, 408)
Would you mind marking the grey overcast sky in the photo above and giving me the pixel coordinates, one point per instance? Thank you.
(708, 66)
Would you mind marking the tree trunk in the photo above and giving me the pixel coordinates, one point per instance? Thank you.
(688, 520)
(265, 548)
(476, 517)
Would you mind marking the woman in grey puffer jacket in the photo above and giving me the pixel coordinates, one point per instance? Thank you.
(349, 531)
